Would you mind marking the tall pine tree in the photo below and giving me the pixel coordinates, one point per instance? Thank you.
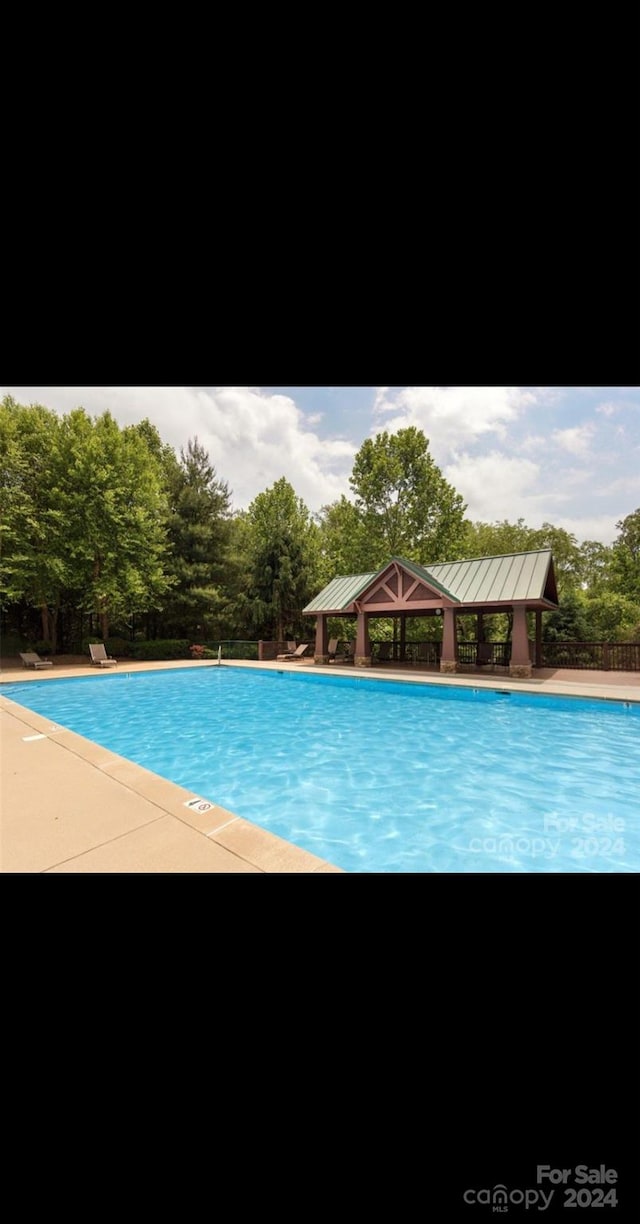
(199, 532)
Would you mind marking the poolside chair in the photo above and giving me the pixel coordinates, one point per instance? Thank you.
(297, 654)
(31, 659)
(291, 650)
(99, 656)
(384, 652)
(340, 650)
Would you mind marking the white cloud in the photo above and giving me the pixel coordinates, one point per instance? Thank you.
(452, 416)
(252, 438)
(495, 486)
(549, 395)
(379, 401)
(534, 442)
(600, 527)
(498, 487)
(576, 441)
(629, 485)
(575, 476)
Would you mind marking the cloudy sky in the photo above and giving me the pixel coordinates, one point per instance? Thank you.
(566, 455)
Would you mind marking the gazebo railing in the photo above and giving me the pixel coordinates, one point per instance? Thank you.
(428, 653)
(490, 654)
(594, 656)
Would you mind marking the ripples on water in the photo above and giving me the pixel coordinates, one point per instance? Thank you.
(377, 775)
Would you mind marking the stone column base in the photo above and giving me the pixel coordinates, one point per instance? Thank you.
(362, 660)
(448, 665)
(321, 659)
(521, 671)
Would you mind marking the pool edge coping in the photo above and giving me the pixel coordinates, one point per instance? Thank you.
(262, 850)
(248, 842)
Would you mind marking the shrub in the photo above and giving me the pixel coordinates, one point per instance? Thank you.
(117, 647)
(11, 644)
(168, 648)
(234, 650)
(42, 647)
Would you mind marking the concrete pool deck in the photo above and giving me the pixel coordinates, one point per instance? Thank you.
(68, 805)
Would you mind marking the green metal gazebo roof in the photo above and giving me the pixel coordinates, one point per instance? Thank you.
(339, 593)
(508, 579)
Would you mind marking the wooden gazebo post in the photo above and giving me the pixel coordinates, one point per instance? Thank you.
(362, 657)
(520, 665)
(449, 656)
(537, 662)
(321, 651)
(479, 635)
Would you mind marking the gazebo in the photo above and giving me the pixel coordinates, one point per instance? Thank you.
(517, 583)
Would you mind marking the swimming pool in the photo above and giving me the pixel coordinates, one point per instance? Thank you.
(380, 775)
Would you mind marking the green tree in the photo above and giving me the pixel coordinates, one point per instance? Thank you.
(199, 532)
(235, 616)
(162, 452)
(625, 558)
(82, 511)
(283, 561)
(496, 539)
(406, 505)
(611, 617)
(569, 623)
(595, 562)
(344, 544)
(567, 561)
(33, 528)
(114, 509)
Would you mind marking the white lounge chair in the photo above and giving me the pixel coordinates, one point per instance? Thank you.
(99, 656)
(297, 654)
(31, 659)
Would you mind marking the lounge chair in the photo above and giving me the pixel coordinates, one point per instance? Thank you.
(291, 650)
(297, 654)
(384, 652)
(99, 656)
(339, 650)
(31, 659)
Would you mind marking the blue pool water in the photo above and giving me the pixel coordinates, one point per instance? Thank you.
(377, 775)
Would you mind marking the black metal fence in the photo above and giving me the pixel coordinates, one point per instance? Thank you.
(489, 654)
(594, 656)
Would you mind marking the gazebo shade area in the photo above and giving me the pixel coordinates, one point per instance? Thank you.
(516, 583)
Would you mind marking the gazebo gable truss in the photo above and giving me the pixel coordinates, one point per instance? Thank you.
(398, 588)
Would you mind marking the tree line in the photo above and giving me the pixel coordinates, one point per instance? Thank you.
(105, 531)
